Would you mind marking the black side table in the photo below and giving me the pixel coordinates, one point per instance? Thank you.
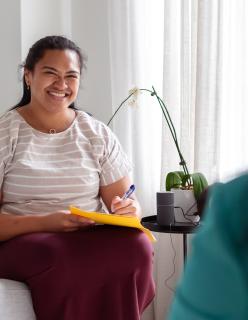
(150, 223)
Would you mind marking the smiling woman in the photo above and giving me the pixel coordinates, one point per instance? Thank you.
(75, 269)
(52, 84)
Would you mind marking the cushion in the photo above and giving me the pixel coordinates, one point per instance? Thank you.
(15, 301)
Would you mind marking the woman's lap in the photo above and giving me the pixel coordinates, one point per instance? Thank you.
(105, 266)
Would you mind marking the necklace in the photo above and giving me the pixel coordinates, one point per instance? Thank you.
(32, 119)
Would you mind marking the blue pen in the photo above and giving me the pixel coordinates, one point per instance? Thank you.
(129, 192)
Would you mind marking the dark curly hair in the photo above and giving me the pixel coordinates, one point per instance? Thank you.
(37, 51)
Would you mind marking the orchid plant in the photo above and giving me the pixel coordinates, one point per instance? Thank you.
(176, 179)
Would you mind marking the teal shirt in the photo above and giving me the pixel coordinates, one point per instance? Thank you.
(214, 285)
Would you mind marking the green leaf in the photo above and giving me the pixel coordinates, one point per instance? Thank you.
(199, 183)
(185, 179)
(180, 173)
(174, 180)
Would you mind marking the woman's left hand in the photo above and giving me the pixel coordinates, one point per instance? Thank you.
(127, 207)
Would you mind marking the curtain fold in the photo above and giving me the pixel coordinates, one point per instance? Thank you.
(207, 108)
(233, 89)
(137, 61)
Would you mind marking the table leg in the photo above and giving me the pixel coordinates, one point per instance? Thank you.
(184, 247)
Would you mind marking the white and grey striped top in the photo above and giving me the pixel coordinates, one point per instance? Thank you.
(42, 173)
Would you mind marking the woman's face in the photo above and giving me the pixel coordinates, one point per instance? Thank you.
(54, 82)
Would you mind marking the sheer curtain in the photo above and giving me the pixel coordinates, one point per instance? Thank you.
(136, 49)
(233, 90)
(194, 53)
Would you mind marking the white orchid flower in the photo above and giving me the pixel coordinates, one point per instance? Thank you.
(134, 94)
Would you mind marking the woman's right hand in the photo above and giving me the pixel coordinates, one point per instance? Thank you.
(64, 221)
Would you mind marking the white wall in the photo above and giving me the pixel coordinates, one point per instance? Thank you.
(90, 31)
(10, 56)
(40, 18)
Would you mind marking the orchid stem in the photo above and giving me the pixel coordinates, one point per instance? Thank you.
(119, 108)
(169, 123)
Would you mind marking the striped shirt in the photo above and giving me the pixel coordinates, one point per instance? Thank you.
(42, 173)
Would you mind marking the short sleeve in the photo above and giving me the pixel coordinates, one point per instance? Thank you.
(1, 171)
(4, 157)
(114, 163)
(5, 147)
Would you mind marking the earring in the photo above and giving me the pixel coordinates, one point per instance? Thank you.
(26, 82)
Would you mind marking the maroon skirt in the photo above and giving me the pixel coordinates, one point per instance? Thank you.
(101, 273)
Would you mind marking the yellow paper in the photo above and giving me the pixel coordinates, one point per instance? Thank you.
(113, 219)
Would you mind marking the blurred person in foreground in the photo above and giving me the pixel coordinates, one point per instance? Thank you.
(214, 285)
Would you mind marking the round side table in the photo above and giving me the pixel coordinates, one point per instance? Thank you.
(183, 228)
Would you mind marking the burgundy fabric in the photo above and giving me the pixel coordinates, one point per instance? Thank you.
(101, 273)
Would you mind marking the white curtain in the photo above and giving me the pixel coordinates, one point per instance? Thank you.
(233, 89)
(136, 49)
(194, 52)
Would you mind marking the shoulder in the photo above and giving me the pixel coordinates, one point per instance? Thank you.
(94, 128)
(232, 193)
(9, 130)
(8, 117)
(9, 124)
(225, 211)
(238, 186)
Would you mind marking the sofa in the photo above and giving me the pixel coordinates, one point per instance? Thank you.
(15, 301)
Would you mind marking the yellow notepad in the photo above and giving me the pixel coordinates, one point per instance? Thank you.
(113, 219)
